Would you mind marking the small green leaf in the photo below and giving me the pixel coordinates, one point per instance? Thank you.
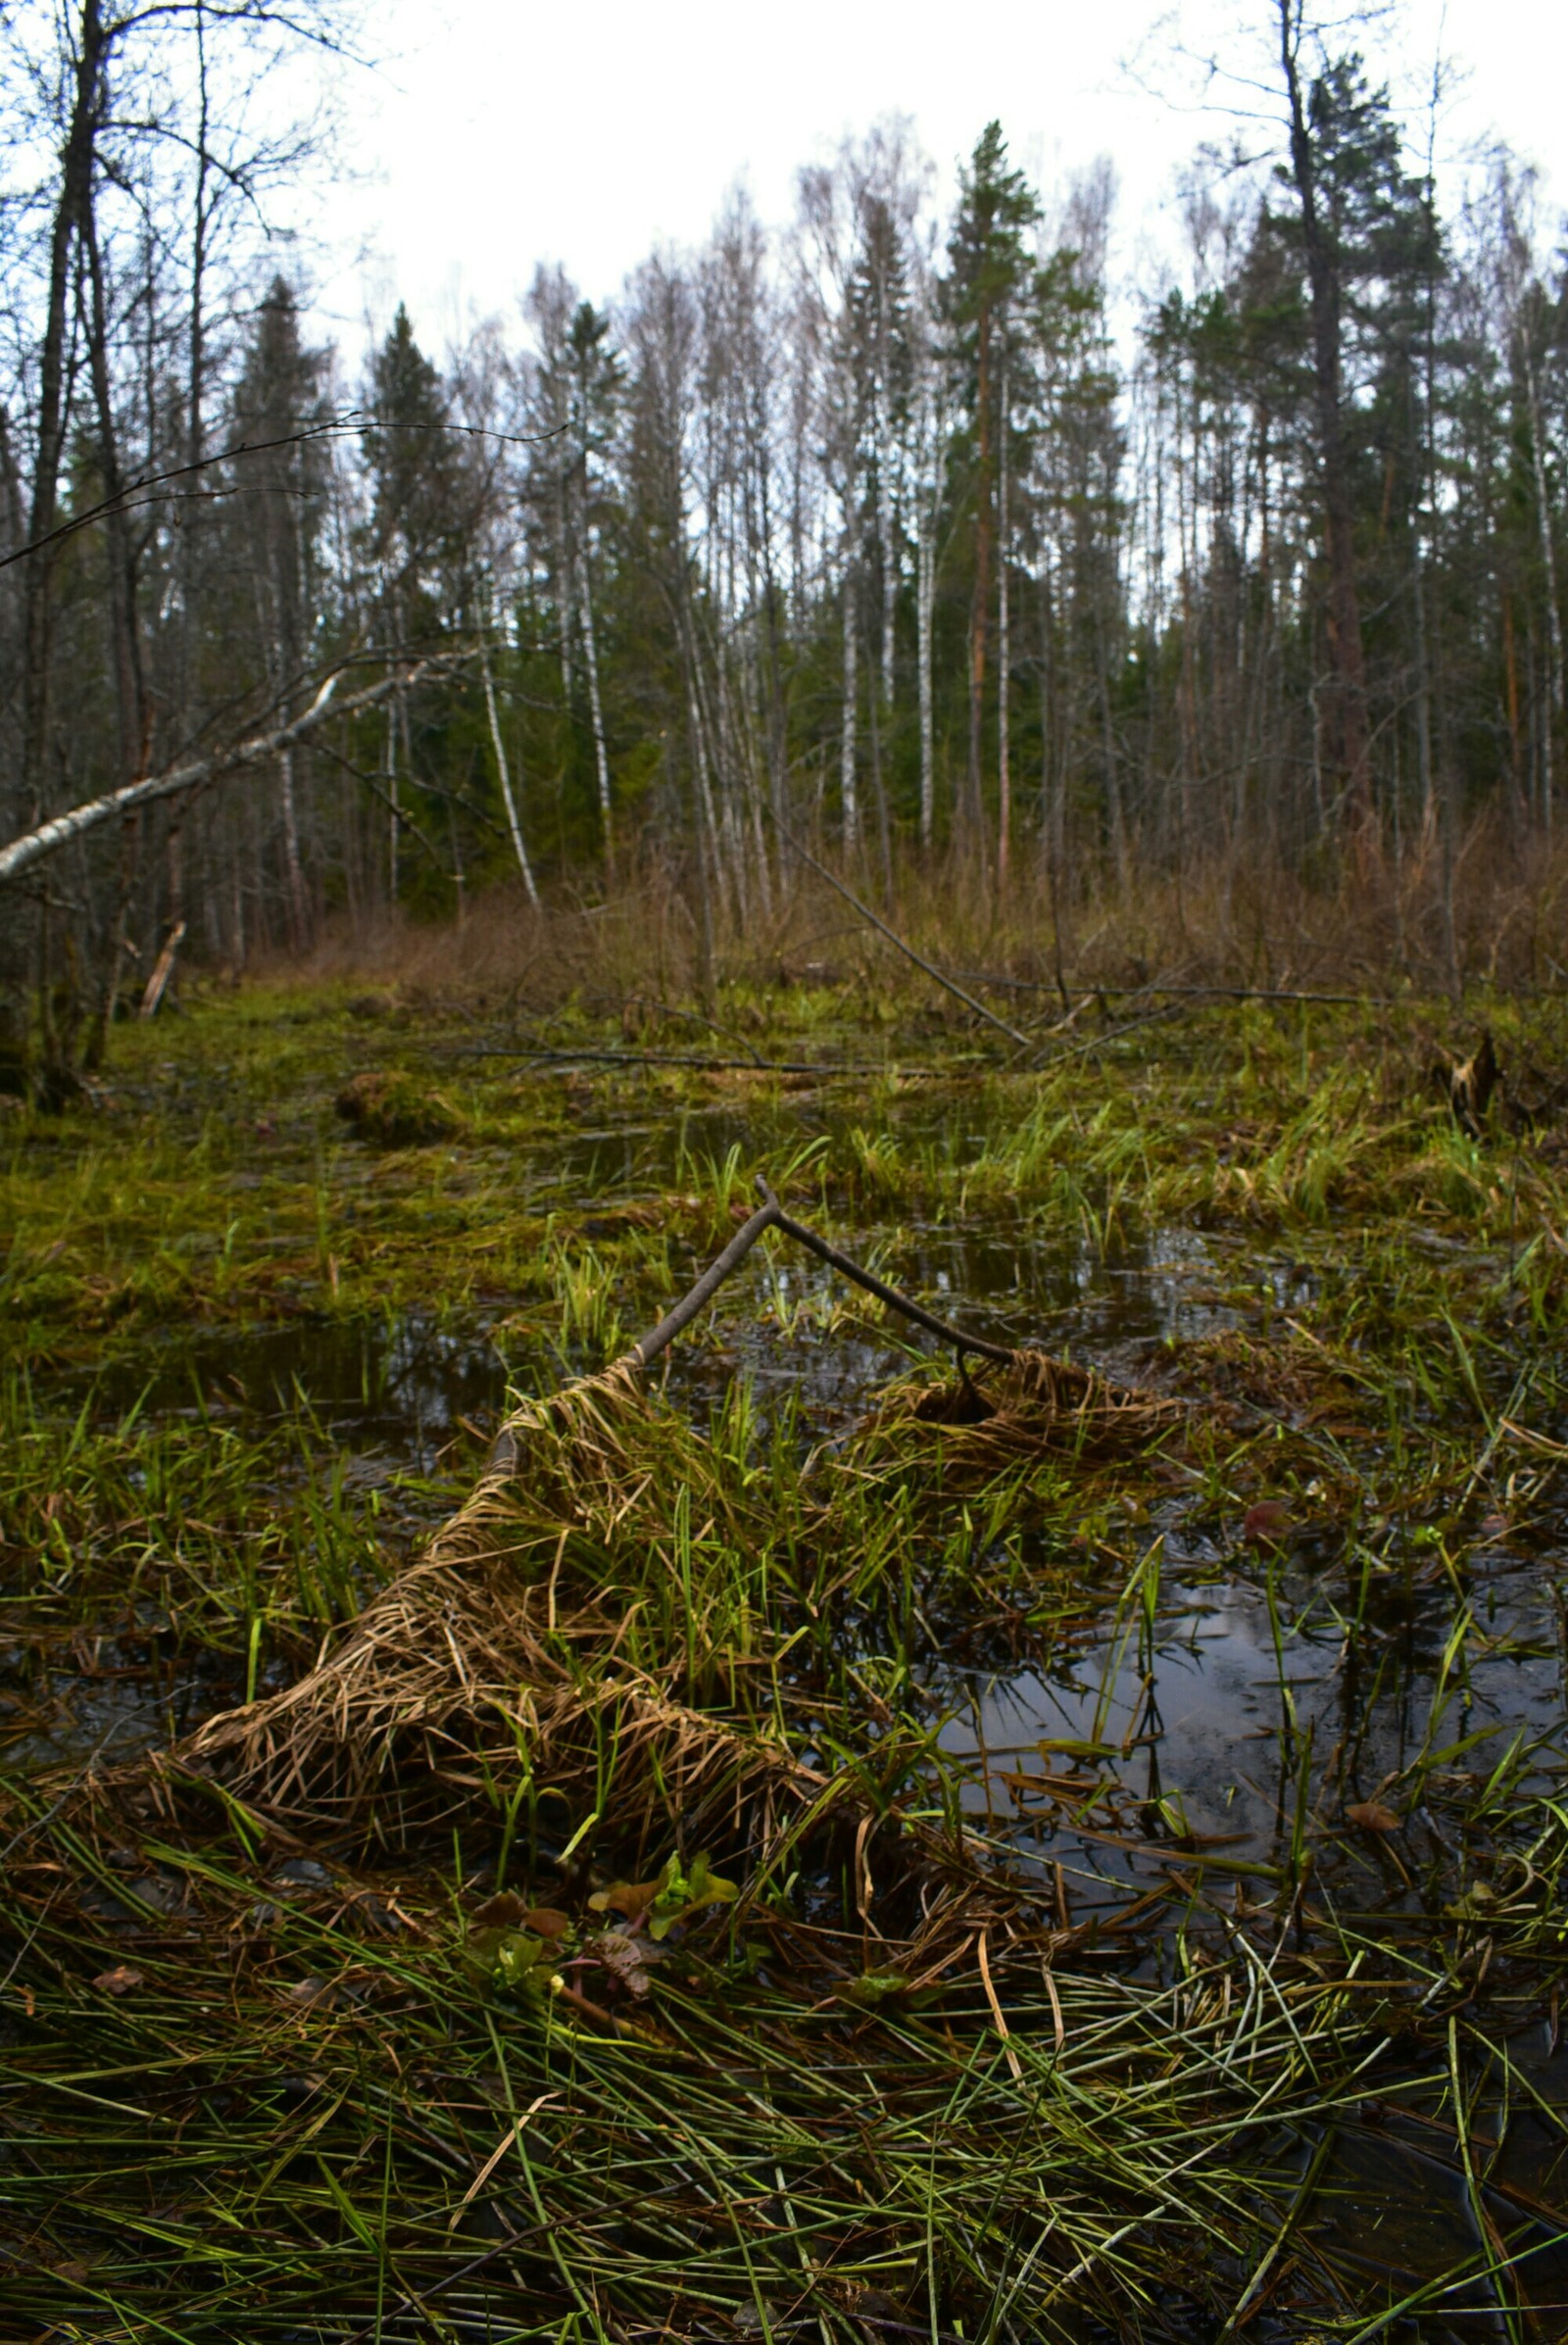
(670, 1898)
(515, 1960)
(873, 1988)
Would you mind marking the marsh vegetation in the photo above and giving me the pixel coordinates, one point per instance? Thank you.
(808, 1843)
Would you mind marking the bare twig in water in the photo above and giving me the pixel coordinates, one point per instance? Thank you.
(770, 1215)
(1097, 1041)
(879, 1287)
(718, 1270)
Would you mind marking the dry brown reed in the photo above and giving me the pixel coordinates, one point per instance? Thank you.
(1247, 918)
(495, 1668)
(995, 1418)
(487, 1658)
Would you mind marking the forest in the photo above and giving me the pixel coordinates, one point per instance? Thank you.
(926, 537)
(783, 1239)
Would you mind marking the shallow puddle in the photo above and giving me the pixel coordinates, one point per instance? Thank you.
(1196, 1746)
(399, 1384)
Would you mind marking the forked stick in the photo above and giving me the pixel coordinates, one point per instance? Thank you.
(712, 1278)
(770, 1215)
(868, 1278)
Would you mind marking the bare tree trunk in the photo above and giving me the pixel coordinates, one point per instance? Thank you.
(596, 711)
(298, 922)
(187, 514)
(1423, 685)
(706, 844)
(504, 774)
(1510, 680)
(884, 516)
(562, 588)
(70, 210)
(848, 802)
(129, 698)
(925, 599)
(1554, 652)
(777, 714)
(880, 797)
(1053, 796)
(178, 781)
(1339, 518)
(393, 820)
(709, 768)
(1115, 810)
(980, 608)
(1004, 651)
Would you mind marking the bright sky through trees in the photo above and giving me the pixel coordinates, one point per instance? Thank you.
(496, 134)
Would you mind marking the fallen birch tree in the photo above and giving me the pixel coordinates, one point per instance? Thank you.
(47, 837)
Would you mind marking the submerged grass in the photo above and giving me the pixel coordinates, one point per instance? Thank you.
(285, 2051)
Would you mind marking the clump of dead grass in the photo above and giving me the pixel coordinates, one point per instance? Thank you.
(494, 1656)
(579, 1631)
(1000, 1417)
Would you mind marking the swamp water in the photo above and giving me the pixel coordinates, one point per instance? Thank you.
(1244, 1680)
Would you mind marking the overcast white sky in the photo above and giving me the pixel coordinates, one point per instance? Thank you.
(497, 133)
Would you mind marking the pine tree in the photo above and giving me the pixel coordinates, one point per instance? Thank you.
(273, 525)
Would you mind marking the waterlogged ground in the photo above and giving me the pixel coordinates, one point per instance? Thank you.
(255, 1352)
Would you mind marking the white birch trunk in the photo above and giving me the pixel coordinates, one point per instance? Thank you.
(504, 773)
(562, 588)
(48, 838)
(596, 711)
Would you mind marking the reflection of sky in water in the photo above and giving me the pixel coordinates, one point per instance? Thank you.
(1201, 1726)
(398, 1384)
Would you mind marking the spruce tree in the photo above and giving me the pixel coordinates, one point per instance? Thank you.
(988, 266)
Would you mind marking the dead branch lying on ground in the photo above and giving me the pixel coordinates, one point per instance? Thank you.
(588, 1056)
(1188, 992)
(938, 977)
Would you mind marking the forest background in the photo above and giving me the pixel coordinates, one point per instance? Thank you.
(1236, 640)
